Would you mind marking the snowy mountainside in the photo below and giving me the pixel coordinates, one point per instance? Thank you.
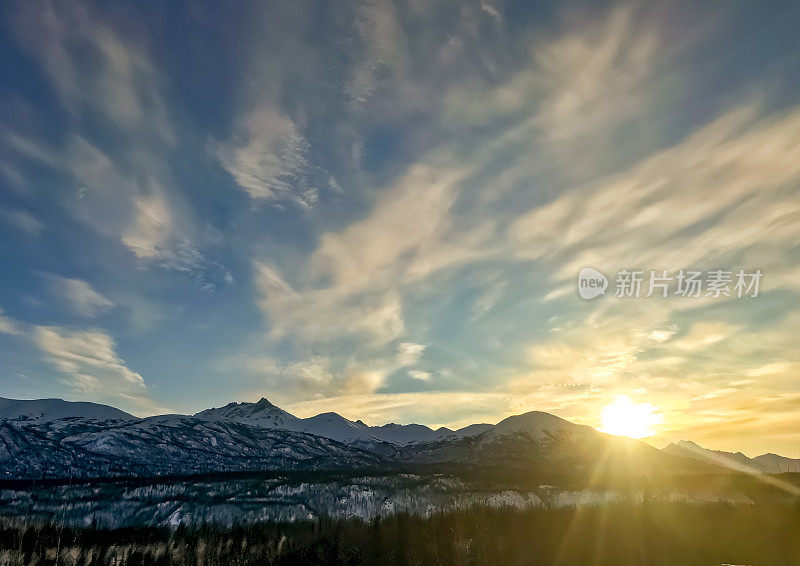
(166, 444)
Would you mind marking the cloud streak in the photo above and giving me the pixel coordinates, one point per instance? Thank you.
(79, 296)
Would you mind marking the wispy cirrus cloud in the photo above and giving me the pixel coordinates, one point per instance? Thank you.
(593, 76)
(268, 158)
(116, 79)
(8, 325)
(84, 355)
(156, 237)
(91, 366)
(352, 286)
(22, 220)
(80, 297)
(120, 180)
(384, 52)
(320, 315)
(726, 158)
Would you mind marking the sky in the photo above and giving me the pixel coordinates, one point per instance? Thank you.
(382, 208)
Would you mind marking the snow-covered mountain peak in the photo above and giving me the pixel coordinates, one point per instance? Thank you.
(261, 413)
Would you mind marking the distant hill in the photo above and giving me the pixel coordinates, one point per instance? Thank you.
(778, 464)
(534, 423)
(53, 409)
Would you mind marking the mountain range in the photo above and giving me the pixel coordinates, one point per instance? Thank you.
(52, 438)
(771, 463)
(333, 425)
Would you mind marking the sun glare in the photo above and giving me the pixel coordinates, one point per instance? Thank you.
(625, 417)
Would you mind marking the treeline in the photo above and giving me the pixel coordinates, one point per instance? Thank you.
(621, 534)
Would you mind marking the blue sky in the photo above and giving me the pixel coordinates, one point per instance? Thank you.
(381, 208)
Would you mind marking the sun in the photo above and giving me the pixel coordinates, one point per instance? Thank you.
(625, 417)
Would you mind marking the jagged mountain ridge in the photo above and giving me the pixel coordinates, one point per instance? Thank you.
(263, 414)
(333, 425)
